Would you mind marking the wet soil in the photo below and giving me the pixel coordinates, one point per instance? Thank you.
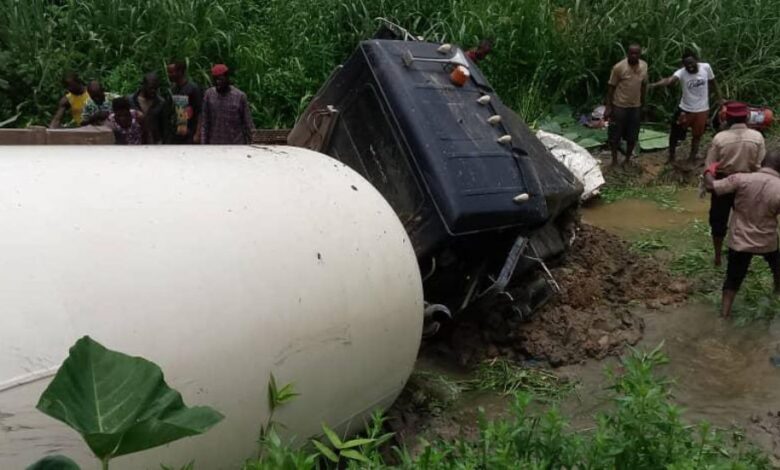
(600, 279)
(721, 373)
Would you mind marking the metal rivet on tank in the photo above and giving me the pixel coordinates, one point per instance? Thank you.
(505, 139)
(484, 99)
(444, 49)
(523, 197)
(494, 119)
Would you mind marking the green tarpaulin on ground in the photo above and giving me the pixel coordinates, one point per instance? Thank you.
(562, 122)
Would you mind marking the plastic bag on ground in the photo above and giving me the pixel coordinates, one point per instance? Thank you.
(578, 160)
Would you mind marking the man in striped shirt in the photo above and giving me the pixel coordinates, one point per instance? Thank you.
(226, 117)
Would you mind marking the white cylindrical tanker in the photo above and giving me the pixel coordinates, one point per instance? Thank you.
(220, 264)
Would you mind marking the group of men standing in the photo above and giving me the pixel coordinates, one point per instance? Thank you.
(743, 178)
(627, 89)
(185, 115)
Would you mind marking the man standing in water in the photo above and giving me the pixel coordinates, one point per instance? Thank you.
(696, 79)
(625, 100)
(736, 150)
(227, 119)
(753, 228)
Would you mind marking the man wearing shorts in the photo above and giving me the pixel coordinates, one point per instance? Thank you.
(696, 79)
(625, 99)
(753, 227)
(736, 150)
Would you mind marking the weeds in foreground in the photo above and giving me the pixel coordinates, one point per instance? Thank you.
(506, 377)
(644, 431)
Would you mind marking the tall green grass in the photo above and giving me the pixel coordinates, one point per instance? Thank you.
(546, 51)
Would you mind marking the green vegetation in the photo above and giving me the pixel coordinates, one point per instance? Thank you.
(690, 249)
(546, 51)
(663, 195)
(507, 377)
(755, 300)
(143, 412)
(644, 431)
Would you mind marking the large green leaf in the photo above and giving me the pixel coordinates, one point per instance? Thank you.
(54, 462)
(118, 403)
(653, 140)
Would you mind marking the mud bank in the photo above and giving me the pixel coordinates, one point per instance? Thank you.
(600, 279)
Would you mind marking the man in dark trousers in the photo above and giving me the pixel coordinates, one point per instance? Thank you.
(227, 119)
(625, 99)
(753, 228)
(736, 150)
(187, 98)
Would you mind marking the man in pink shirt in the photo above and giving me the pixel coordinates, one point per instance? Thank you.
(753, 225)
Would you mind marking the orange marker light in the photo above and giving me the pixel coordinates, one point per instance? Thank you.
(460, 75)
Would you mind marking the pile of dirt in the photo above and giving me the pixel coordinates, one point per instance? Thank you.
(601, 281)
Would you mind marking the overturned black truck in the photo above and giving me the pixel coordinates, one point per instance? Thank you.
(482, 199)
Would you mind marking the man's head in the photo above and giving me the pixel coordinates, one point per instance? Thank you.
(634, 53)
(177, 71)
(484, 48)
(220, 75)
(772, 159)
(690, 62)
(736, 112)
(73, 83)
(121, 109)
(150, 85)
(95, 90)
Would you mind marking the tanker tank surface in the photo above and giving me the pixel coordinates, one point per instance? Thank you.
(220, 264)
(481, 197)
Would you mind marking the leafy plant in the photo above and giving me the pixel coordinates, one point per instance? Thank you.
(118, 403)
(337, 450)
(276, 397)
(509, 378)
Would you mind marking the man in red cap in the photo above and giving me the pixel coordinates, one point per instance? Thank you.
(753, 228)
(736, 150)
(226, 116)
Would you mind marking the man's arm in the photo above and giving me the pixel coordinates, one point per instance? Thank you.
(610, 97)
(197, 106)
(249, 125)
(713, 85)
(204, 121)
(614, 79)
(713, 153)
(668, 81)
(93, 118)
(61, 108)
(761, 153)
(723, 186)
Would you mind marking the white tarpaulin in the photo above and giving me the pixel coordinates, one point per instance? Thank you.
(578, 160)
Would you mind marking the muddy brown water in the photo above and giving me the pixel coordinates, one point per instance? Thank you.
(632, 217)
(721, 373)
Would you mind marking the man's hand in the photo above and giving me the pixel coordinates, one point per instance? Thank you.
(607, 112)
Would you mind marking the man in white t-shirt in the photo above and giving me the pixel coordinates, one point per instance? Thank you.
(696, 79)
